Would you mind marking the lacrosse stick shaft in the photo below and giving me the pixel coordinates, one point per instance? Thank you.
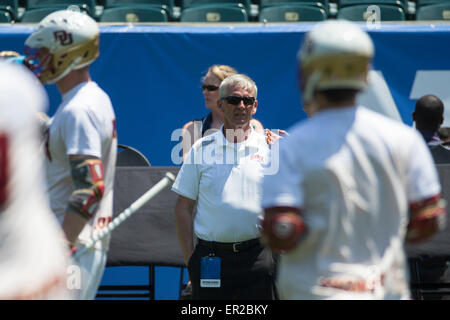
(135, 206)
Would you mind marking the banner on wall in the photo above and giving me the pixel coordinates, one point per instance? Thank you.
(153, 74)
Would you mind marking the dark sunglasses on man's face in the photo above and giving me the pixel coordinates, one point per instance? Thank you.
(209, 87)
(237, 100)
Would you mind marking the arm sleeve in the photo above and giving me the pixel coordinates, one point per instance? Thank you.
(82, 133)
(188, 179)
(284, 187)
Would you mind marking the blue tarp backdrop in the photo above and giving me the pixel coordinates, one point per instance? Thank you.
(153, 73)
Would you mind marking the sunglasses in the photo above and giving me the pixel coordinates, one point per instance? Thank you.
(209, 87)
(237, 100)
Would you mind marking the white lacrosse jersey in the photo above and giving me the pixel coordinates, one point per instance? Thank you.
(353, 173)
(33, 254)
(84, 124)
(225, 179)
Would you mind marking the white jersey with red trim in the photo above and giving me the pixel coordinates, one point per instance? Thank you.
(34, 256)
(84, 124)
(353, 174)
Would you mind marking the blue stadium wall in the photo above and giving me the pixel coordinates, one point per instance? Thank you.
(153, 73)
(153, 76)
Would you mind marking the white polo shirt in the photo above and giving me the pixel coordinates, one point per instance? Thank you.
(352, 173)
(225, 180)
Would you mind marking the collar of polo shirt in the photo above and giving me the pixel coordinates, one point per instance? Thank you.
(222, 140)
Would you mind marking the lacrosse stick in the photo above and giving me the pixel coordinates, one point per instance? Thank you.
(135, 206)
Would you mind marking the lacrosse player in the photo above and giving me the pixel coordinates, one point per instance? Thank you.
(33, 258)
(352, 184)
(81, 144)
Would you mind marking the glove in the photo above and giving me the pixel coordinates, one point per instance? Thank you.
(281, 231)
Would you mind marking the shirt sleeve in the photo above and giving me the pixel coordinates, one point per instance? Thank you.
(188, 179)
(284, 187)
(422, 176)
(81, 133)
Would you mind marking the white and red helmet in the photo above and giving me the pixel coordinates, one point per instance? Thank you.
(335, 54)
(70, 40)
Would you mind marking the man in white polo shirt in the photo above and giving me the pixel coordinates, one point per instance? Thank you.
(221, 178)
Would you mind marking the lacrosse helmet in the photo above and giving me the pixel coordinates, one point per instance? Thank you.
(63, 41)
(335, 54)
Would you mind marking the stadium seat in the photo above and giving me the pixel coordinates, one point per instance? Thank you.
(130, 157)
(324, 4)
(195, 3)
(5, 16)
(11, 6)
(85, 5)
(440, 11)
(36, 15)
(421, 3)
(269, 3)
(134, 14)
(364, 12)
(214, 13)
(162, 4)
(400, 3)
(292, 13)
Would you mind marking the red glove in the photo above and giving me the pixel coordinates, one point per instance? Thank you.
(282, 230)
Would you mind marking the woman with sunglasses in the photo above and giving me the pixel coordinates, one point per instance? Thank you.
(198, 128)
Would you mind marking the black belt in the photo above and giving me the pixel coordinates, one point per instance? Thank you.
(231, 246)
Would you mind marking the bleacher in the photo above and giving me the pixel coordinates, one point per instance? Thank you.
(222, 11)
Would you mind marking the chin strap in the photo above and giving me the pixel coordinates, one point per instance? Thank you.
(65, 72)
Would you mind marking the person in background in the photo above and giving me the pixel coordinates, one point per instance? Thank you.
(228, 261)
(196, 129)
(428, 117)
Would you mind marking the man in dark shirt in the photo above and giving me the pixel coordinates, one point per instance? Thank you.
(429, 116)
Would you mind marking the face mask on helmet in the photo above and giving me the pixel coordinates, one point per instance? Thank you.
(334, 55)
(65, 40)
(33, 57)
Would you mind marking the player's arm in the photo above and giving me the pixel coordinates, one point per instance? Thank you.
(282, 228)
(87, 177)
(425, 219)
(183, 222)
(426, 208)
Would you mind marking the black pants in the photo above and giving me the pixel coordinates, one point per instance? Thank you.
(245, 275)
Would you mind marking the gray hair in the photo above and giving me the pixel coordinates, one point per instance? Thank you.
(239, 81)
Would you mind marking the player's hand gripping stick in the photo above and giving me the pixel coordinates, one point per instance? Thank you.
(135, 206)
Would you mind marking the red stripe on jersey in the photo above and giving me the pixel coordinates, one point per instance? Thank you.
(426, 218)
(413, 206)
(43, 292)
